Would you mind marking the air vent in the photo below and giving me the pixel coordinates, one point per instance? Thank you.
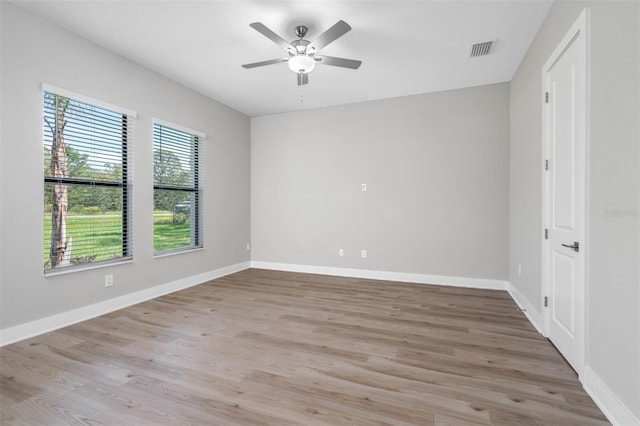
(481, 49)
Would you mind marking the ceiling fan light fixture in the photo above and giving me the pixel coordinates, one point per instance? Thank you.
(301, 64)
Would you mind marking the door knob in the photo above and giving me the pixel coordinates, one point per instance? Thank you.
(575, 246)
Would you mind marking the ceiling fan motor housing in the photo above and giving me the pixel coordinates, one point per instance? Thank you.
(301, 48)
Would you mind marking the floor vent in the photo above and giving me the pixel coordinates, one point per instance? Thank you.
(481, 49)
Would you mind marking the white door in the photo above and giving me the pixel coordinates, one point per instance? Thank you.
(564, 111)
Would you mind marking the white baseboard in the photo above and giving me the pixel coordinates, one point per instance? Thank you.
(483, 283)
(534, 316)
(54, 322)
(616, 411)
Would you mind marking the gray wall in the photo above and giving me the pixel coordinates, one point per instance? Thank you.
(35, 51)
(612, 306)
(436, 169)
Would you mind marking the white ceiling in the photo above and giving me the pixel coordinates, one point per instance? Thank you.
(407, 47)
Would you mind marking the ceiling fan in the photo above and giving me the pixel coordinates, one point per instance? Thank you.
(303, 53)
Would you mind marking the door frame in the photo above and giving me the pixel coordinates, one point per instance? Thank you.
(578, 33)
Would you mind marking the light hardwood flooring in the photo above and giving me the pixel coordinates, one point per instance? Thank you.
(267, 347)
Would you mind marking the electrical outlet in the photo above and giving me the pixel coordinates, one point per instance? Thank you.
(108, 280)
(519, 270)
(248, 246)
(340, 252)
(364, 187)
(363, 253)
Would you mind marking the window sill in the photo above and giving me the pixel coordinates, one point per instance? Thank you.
(86, 267)
(177, 251)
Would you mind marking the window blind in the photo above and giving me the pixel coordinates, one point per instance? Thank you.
(86, 194)
(176, 189)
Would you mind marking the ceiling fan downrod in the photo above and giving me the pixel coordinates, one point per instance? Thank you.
(301, 31)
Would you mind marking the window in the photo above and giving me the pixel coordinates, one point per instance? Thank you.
(86, 193)
(176, 189)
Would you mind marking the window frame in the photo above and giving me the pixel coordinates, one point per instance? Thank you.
(127, 118)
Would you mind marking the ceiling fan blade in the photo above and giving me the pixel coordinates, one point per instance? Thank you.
(303, 78)
(338, 30)
(263, 63)
(338, 62)
(262, 29)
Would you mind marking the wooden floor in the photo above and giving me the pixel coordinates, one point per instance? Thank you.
(266, 347)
